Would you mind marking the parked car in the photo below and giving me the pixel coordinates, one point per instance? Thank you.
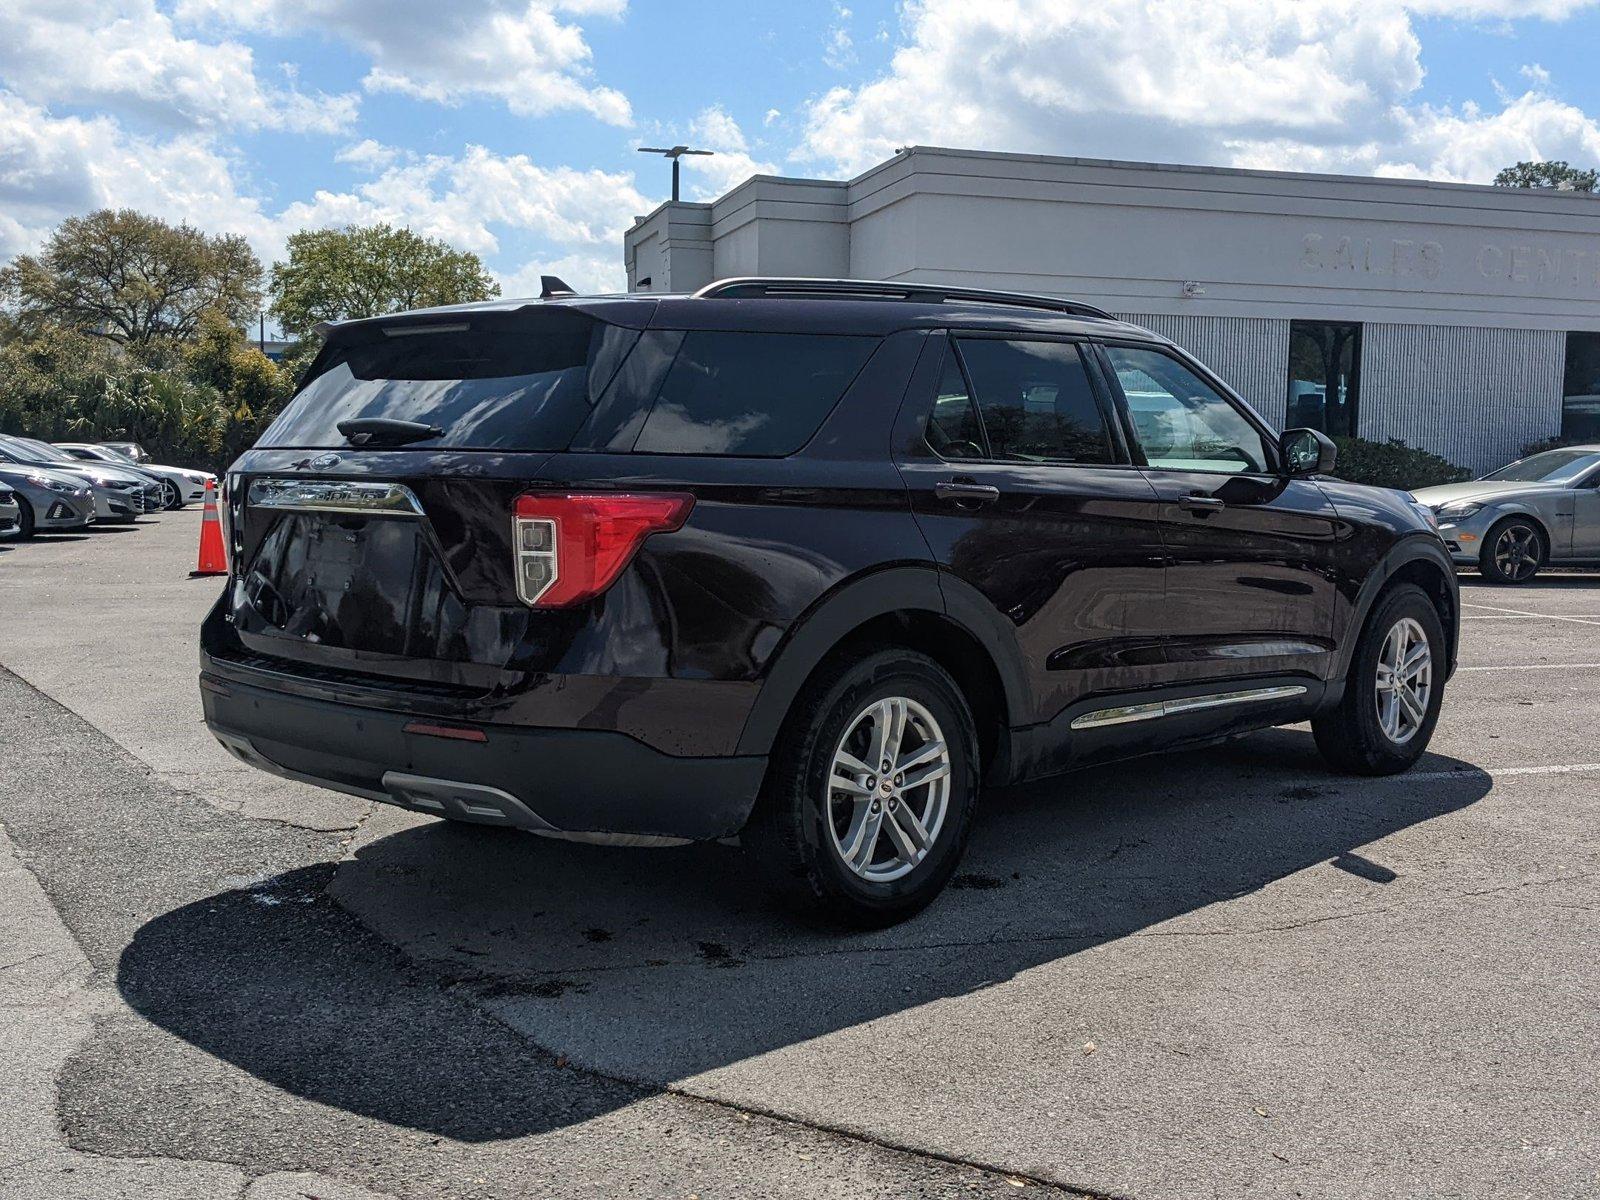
(120, 493)
(10, 512)
(129, 450)
(47, 501)
(800, 561)
(1543, 510)
(179, 485)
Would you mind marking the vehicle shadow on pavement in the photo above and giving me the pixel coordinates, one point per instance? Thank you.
(1556, 580)
(653, 966)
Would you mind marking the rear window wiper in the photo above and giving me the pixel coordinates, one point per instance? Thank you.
(386, 431)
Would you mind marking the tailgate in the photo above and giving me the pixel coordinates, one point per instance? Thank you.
(409, 576)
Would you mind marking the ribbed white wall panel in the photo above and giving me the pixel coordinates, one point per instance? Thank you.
(1476, 396)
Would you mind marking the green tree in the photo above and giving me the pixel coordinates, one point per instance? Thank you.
(131, 278)
(1557, 175)
(364, 271)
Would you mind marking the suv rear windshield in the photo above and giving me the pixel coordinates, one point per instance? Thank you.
(508, 382)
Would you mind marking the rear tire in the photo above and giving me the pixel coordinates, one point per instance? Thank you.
(26, 523)
(1378, 729)
(1513, 551)
(836, 835)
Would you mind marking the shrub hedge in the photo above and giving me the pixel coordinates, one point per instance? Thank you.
(1393, 464)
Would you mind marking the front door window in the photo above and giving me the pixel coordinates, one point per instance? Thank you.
(1182, 422)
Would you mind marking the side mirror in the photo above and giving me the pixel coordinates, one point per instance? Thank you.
(1307, 452)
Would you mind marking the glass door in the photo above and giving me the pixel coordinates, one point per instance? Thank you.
(1324, 376)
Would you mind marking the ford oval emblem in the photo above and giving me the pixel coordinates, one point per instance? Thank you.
(323, 461)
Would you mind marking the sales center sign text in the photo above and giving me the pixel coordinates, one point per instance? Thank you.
(1414, 259)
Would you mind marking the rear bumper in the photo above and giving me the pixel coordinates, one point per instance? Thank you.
(592, 785)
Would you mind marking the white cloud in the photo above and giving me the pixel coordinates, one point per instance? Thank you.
(51, 168)
(519, 52)
(1267, 83)
(839, 49)
(731, 162)
(368, 155)
(125, 55)
(480, 200)
(588, 273)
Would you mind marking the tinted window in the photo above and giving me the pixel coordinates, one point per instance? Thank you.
(521, 386)
(1324, 377)
(1553, 466)
(750, 393)
(1580, 391)
(953, 429)
(1181, 421)
(1036, 401)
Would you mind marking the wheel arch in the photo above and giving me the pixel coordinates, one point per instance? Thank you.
(915, 607)
(1421, 560)
(1533, 517)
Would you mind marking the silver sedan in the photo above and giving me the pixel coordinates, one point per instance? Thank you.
(47, 501)
(1539, 511)
(10, 511)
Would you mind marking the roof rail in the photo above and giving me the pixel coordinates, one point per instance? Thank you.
(754, 286)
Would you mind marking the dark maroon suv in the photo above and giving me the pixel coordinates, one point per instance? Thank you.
(803, 561)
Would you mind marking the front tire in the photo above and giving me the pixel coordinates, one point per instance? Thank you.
(1393, 691)
(837, 834)
(26, 523)
(1513, 551)
(172, 498)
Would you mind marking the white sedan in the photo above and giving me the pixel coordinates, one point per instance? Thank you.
(182, 484)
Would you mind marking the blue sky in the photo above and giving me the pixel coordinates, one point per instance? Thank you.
(509, 127)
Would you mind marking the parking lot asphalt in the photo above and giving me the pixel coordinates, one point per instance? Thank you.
(1221, 973)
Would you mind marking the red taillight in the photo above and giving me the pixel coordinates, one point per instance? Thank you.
(571, 546)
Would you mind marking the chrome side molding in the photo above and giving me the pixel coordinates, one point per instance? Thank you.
(335, 496)
(1127, 713)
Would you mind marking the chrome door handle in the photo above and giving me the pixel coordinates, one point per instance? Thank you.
(1202, 503)
(966, 491)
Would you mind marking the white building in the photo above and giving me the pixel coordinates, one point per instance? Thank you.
(1459, 318)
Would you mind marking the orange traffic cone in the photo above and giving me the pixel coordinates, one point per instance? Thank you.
(213, 555)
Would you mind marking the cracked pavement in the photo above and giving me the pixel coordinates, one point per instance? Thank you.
(1226, 973)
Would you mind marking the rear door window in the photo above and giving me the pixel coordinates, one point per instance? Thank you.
(520, 383)
(757, 394)
(1036, 401)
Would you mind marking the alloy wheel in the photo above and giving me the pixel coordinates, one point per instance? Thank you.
(1405, 681)
(888, 789)
(169, 495)
(1516, 552)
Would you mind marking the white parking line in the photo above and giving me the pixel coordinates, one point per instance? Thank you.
(1498, 772)
(1537, 667)
(1532, 617)
(1521, 612)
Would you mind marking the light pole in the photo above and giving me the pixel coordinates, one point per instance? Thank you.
(674, 153)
